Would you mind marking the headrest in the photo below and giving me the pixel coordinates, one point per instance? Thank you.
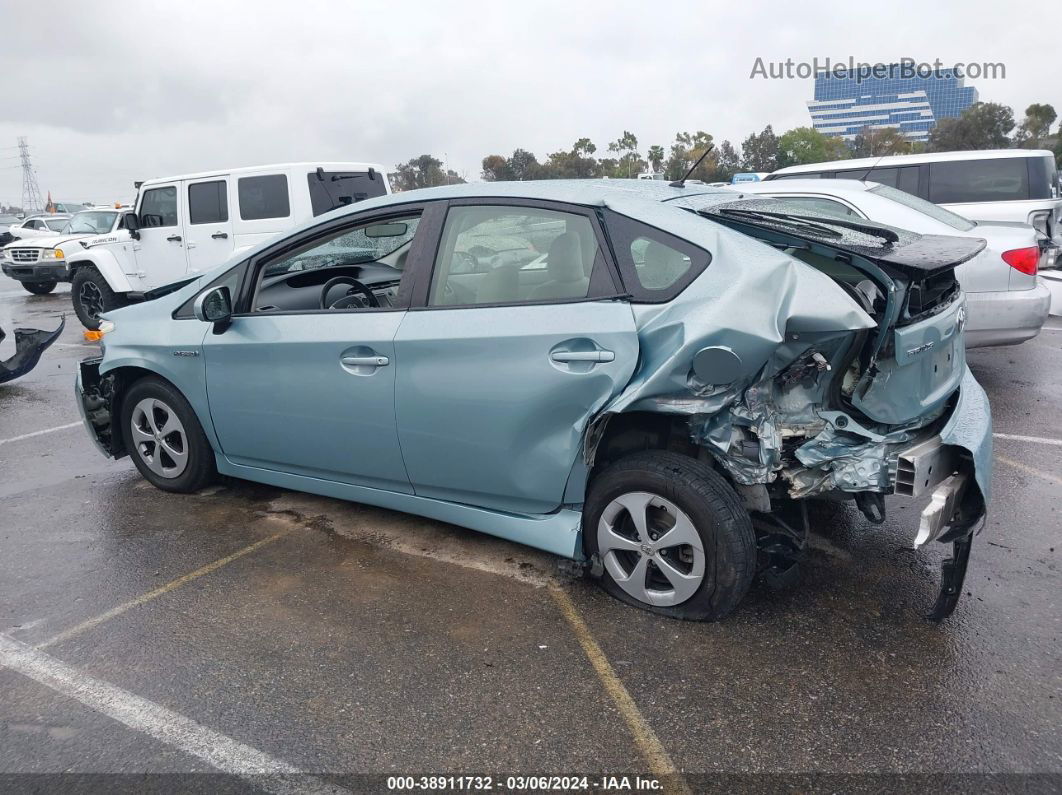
(565, 259)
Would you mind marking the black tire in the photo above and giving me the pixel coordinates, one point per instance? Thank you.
(92, 296)
(715, 511)
(199, 469)
(39, 288)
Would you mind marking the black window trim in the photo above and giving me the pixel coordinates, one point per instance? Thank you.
(629, 278)
(604, 280)
(430, 226)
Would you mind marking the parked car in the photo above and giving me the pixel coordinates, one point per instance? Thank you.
(40, 263)
(192, 223)
(989, 185)
(36, 226)
(1005, 301)
(7, 220)
(639, 373)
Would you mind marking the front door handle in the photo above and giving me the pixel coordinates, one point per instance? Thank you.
(365, 361)
(174, 238)
(583, 356)
(220, 235)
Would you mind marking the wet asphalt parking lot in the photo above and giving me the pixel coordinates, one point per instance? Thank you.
(247, 628)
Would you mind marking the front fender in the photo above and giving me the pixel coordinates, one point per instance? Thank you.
(185, 372)
(106, 262)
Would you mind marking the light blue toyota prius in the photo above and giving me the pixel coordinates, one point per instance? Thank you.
(649, 379)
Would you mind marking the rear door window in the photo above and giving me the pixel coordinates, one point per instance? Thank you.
(208, 202)
(994, 180)
(332, 189)
(263, 197)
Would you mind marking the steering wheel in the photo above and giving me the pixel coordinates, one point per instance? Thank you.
(355, 287)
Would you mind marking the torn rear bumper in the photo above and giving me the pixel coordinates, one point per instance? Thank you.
(959, 502)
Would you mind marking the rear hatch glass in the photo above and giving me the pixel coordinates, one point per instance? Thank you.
(332, 189)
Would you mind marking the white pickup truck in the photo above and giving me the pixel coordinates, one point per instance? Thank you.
(39, 262)
(190, 224)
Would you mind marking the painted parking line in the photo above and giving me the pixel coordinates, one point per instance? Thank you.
(172, 585)
(40, 433)
(644, 737)
(1029, 470)
(1032, 439)
(164, 725)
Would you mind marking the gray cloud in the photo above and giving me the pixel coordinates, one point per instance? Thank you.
(109, 93)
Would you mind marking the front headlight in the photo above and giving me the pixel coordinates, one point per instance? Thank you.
(106, 326)
(52, 253)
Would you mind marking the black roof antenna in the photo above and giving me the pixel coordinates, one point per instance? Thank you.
(872, 167)
(681, 183)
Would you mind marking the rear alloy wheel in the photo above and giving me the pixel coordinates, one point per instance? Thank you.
(164, 437)
(672, 535)
(92, 296)
(39, 288)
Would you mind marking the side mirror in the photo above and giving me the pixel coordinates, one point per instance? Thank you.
(132, 223)
(214, 306)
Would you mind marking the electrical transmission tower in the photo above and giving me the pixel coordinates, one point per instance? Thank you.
(31, 194)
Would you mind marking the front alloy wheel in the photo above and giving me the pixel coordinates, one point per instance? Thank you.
(159, 438)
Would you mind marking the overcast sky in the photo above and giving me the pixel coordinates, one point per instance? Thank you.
(109, 93)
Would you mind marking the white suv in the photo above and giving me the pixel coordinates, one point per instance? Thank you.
(182, 226)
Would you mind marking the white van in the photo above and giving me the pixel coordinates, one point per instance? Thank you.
(189, 224)
(990, 185)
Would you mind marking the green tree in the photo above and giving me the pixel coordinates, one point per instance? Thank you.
(760, 152)
(656, 157)
(496, 169)
(523, 165)
(576, 163)
(627, 144)
(807, 145)
(1035, 127)
(584, 147)
(875, 142)
(422, 172)
(729, 162)
(983, 125)
(685, 151)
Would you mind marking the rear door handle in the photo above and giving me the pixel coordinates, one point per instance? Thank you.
(174, 238)
(220, 235)
(365, 361)
(583, 356)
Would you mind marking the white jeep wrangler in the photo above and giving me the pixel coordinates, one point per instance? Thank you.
(186, 225)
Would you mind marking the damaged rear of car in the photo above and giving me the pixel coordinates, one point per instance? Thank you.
(853, 395)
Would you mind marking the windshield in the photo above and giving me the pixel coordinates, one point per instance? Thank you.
(927, 208)
(92, 223)
(57, 224)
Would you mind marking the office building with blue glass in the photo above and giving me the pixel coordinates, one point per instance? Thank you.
(844, 105)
